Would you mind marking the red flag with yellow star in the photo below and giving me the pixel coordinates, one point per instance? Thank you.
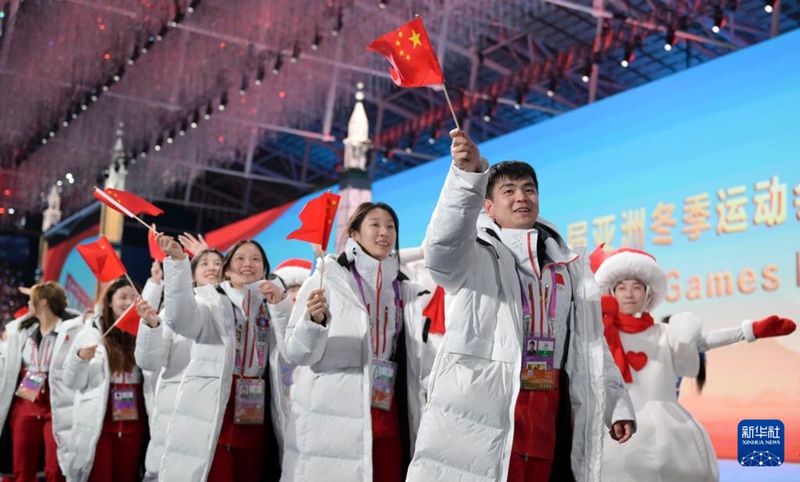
(409, 50)
(316, 220)
(102, 259)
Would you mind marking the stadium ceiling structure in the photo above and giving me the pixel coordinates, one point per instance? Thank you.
(231, 107)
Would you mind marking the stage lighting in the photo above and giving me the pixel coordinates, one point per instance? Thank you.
(295, 52)
(192, 6)
(317, 39)
(669, 41)
(337, 27)
(260, 73)
(586, 75)
(278, 64)
(223, 101)
(719, 19)
(551, 88)
(195, 119)
(628, 57)
(209, 110)
(769, 5)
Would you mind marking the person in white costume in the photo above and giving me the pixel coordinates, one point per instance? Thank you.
(671, 445)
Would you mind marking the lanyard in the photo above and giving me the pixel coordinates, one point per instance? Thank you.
(398, 318)
(41, 354)
(527, 299)
(241, 346)
(248, 350)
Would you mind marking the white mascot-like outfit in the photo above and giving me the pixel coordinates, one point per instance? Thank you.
(670, 444)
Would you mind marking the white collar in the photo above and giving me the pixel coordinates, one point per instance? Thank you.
(522, 245)
(367, 266)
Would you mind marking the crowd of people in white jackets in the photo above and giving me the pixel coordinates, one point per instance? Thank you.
(493, 352)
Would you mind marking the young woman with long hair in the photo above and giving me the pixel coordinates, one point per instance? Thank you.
(349, 412)
(109, 419)
(33, 396)
(221, 424)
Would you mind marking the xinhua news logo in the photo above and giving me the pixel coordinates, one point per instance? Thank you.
(761, 443)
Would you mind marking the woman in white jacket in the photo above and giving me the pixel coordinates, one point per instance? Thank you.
(40, 410)
(221, 423)
(161, 351)
(349, 418)
(110, 423)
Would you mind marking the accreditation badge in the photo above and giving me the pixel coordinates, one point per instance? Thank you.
(537, 372)
(248, 408)
(384, 373)
(30, 386)
(123, 404)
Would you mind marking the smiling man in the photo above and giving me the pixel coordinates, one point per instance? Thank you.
(512, 282)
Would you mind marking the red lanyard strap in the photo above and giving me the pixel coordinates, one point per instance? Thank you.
(398, 319)
(42, 353)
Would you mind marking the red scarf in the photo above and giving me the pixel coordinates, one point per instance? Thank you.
(435, 311)
(616, 322)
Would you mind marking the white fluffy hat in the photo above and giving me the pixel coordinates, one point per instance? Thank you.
(293, 271)
(628, 263)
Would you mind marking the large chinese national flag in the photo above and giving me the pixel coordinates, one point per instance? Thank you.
(102, 260)
(316, 220)
(409, 50)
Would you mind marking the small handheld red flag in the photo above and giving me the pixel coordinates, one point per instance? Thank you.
(409, 50)
(316, 220)
(20, 312)
(127, 203)
(102, 259)
(129, 321)
(155, 250)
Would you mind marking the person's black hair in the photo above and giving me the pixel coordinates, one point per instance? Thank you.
(511, 170)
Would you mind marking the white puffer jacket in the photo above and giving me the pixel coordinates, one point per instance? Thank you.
(61, 396)
(151, 293)
(91, 381)
(205, 317)
(165, 355)
(329, 433)
(467, 427)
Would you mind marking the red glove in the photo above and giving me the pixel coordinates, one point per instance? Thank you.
(773, 326)
(609, 305)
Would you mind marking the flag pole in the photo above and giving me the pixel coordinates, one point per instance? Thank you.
(132, 285)
(109, 329)
(321, 271)
(450, 104)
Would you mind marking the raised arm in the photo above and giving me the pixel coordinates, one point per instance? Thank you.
(450, 239)
(182, 313)
(305, 338)
(749, 330)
